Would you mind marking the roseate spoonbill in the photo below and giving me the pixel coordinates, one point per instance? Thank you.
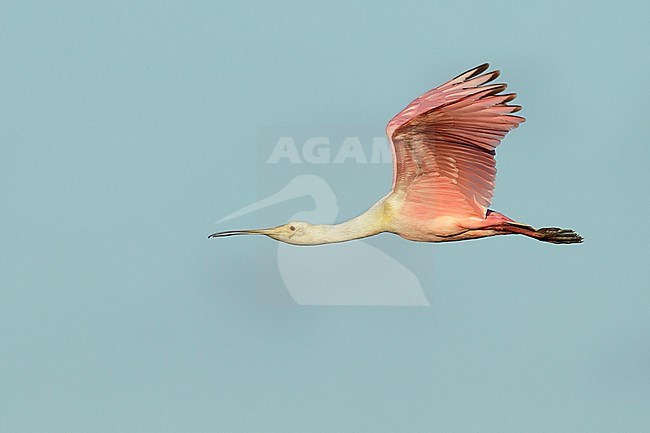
(373, 278)
(444, 171)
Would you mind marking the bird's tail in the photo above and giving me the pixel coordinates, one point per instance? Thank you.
(554, 235)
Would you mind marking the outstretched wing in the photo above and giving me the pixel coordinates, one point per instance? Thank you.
(444, 145)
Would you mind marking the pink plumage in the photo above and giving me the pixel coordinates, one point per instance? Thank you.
(444, 145)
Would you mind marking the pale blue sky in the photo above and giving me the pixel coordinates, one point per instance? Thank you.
(128, 128)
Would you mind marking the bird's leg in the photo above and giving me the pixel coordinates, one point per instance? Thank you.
(504, 225)
(547, 234)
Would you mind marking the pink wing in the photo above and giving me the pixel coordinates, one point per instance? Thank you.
(443, 146)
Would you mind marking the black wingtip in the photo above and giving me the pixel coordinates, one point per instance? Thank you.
(489, 90)
(473, 72)
(480, 69)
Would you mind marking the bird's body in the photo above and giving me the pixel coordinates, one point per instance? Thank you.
(444, 172)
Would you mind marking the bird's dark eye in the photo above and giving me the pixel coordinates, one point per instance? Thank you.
(292, 228)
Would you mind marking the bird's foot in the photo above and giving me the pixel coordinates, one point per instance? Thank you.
(558, 236)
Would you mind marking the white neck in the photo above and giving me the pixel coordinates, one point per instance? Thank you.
(367, 224)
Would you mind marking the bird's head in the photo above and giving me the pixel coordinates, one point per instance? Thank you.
(293, 232)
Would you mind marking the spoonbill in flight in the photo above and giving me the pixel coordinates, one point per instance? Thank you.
(444, 171)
